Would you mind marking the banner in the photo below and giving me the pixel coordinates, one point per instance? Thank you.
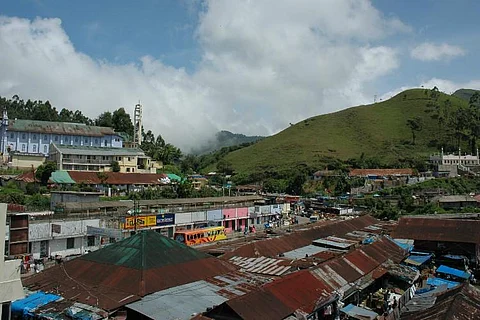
(142, 222)
(165, 219)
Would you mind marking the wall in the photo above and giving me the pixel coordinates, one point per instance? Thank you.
(230, 213)
(25, 161)
(214, 215)
(43, 230)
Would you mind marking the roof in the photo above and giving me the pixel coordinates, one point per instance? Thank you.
(25, 306)
(358, 312)
(125, 271)
(459, 303)
(262, 265)
(169, 304)
(98, 151)
(417, 260)
(27, 177)
(446, 230)
(302, 252)
(117, 178)
(454, 272)
(65, 128)
(173, 176)
(61, 177)
(381, 172)
(456, 198)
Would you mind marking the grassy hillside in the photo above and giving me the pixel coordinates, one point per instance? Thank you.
(465, 94)
(377, 130)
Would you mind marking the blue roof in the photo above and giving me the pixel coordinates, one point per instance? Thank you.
(358, 313)
(33, 301)
(439, 281)
(454, 272)
(417, 260)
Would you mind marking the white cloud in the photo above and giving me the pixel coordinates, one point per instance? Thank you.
(435, 52)
(264, 64)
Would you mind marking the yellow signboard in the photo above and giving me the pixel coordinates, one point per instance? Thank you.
(142, 222)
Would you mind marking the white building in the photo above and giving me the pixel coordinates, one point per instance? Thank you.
(11, 287)
(455, 159)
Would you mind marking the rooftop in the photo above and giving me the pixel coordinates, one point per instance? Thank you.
(98, 151)
(65, 128)
(381, 172)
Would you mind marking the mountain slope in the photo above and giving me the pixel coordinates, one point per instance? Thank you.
(465, 94)
(377, 130)
(226, 139)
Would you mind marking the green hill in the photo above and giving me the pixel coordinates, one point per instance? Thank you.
(379, 130)
(465, 94)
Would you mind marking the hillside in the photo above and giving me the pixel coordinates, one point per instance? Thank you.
(377, 130)
(465, 94)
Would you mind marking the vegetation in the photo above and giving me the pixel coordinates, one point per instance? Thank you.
(44, 172)
(226, 139)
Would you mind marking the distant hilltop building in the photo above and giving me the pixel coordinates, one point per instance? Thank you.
(453, 164)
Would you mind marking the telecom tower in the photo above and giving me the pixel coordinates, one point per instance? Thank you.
(137, 125)
(3, 132)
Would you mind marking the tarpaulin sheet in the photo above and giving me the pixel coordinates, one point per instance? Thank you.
(358, 313)
(454, 272)
(61, 177)
(417, 260)
(33, 301)
(439, 281)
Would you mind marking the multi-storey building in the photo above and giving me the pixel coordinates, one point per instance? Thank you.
(24, 143)
(87, 158)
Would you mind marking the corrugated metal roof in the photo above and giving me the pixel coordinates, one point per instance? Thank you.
(446, 230)
(200, 295)
(123, 272)
(27, 177)
(117, 178)
(262, 265)
(98, 151)
(302, 252)
(330, 243)
(65, 128)
(381, 172)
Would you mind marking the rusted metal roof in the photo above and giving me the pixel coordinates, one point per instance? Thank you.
(65, 128)
(459, 303)
(27, 177)
(117, 178)
(262, 265)
(431, 229)
(127, 270)
(272, 247)
(381, 172)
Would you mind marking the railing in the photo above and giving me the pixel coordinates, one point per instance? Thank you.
(88, 161)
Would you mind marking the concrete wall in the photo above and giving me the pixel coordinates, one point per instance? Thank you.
(43, 230)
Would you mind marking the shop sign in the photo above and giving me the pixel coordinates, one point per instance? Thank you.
(165, 219)
(141, 222)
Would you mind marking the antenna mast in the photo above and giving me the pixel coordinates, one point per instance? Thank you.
(137, 125)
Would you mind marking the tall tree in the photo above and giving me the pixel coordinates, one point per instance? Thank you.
(415, 125)
(105, 120)
(122, 122)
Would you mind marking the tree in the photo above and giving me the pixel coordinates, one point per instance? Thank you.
(224, 166)
(44, 171)
(122, 122)
(105, 120)
(115, 166)
(415, 125)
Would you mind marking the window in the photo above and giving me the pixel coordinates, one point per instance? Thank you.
(24, 136)
(112, 240)
(70, 243)
(45, 149)
(90, 241)
(86, 140)
(34, 148)
(133, 169)
(96, 141)
(56, 138)
(12, 135)
(76, 139)
(66, 139)
(45, 138)
(106, 143)
(129, 159)
(128, 169)
(34, 137)
(23, 147)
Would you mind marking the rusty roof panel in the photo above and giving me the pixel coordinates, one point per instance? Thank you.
(117, 178)
(262, 265)
(65, 128)
(433, 229)
(381, 172)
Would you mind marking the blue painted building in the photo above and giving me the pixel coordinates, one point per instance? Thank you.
(34, 137)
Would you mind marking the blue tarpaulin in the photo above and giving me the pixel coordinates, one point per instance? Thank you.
(439, 281)
(405, 246)
(454, 272)
(359, 313)
(31, 302)
(417, 260)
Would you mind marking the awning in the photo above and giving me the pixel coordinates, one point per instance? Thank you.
(416, 260)
(454, 272)
(358, 312)
(27, 305)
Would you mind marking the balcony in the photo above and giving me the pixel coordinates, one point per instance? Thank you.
(86, 161)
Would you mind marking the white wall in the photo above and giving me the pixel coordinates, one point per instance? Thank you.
(43, 230)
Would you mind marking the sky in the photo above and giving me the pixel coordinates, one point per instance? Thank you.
(251, 67)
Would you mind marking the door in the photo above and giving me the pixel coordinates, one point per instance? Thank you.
(43, 248)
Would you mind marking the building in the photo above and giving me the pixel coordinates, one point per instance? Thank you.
(72, 196)
(27, 142)
(83, 158)
(10, 283)
(456, 202)
(198, 181)
(452, 165)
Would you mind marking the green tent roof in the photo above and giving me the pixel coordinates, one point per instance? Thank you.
(61, 177)
(173, 176)
(145, 250)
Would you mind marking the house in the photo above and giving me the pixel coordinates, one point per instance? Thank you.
(321, 174)
(198, 181)
(456, 202)
(451, 165)
(24, 143)
(82, 158)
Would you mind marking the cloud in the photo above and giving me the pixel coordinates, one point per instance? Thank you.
(436, 52)
(264, 64)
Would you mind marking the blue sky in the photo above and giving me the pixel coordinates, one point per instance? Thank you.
(247, 66)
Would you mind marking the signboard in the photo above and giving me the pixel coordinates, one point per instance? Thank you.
(165, 219)
(104, 232)
(56, 228)
(141, 222)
